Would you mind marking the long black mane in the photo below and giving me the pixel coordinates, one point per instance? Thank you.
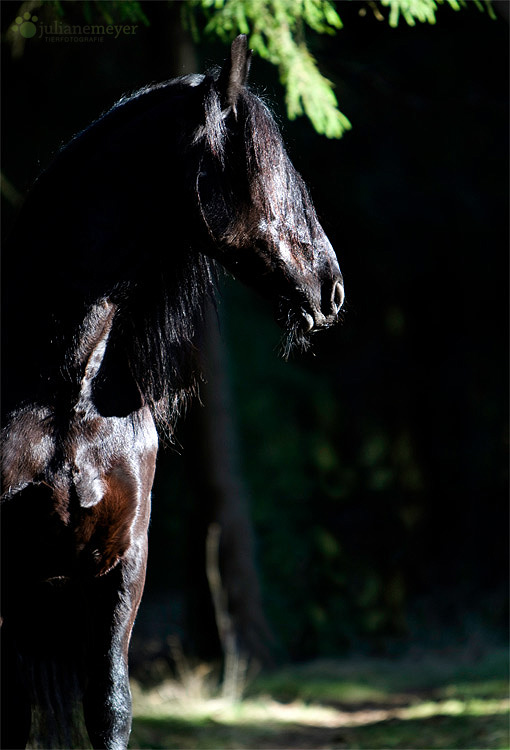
(87, 232)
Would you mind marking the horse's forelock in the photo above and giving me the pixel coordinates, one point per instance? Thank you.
(212, 133)
(275, 185)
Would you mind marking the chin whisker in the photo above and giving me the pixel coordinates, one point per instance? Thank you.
(294, 337)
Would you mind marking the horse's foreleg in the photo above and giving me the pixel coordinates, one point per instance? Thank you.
(15, 703)
(107, 699)
(114, 534)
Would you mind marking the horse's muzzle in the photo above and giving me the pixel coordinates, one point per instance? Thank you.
(326, 314)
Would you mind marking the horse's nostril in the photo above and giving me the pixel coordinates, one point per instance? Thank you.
(337, 298)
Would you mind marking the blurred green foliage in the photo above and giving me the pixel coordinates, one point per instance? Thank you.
(111, 10)
(425, 11)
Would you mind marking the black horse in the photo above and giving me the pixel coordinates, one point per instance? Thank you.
(105, 281)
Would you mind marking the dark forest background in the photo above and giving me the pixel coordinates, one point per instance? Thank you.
(371, 473)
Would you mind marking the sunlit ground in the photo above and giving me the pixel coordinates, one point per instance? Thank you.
(427, 703)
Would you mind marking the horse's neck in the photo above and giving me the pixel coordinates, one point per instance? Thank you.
(114, 215)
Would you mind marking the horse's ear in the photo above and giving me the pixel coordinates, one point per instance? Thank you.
(234, 72)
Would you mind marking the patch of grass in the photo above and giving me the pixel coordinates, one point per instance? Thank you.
(478, 688)
(433, 704)
(438, 733)
(373, 680)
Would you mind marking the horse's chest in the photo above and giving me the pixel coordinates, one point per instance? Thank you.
(86, 496)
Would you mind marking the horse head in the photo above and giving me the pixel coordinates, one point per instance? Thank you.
(256, 207)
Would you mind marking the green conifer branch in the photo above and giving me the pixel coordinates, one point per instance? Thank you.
(276, 32)
(424, 11)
